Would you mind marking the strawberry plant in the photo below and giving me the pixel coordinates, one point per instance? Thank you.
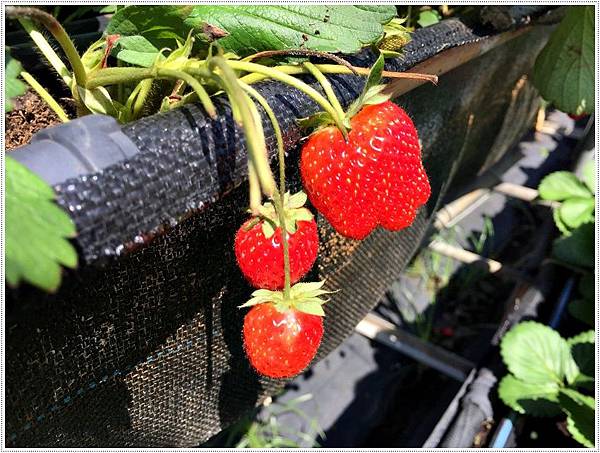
(361, 168)
(550, 375)
(574, 217)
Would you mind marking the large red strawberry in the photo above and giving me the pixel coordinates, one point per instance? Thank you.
(259, 249)
(282, 336)
(374, 178)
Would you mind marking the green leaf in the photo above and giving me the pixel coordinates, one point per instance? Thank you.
(329, 28)
(35, 230)
(583, 310)
(580, 409)
(428, 17)
(136, 50)
(564, 70)
(13, 85)
(560, 185)
(574, 428)
(537, 354)
(589, 175)
(527, 398)
(583, 352)
(560, 224)
(161, 25)
(577, 211)
(578, 248)
(587, 285)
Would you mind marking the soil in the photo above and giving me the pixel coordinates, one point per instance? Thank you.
(30, 115)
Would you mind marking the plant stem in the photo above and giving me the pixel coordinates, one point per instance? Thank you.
(59, 33)
(47, 97)
(326, 87)
(47, 50)
(277, 201)
(292, 81)
(113, 76)
(276, 129)
(299, 53)
(242, 107)
(197, 86)
(254, 183)
(140, 99)
(337, 69)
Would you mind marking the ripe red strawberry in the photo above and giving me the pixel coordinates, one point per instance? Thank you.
(259, 248)
(282, 337)
(374, 178)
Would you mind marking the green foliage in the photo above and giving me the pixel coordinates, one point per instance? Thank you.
(577, 249)
(583, 308)
(249, 28)
(13, 85)
(575, 215)
(537, 354)
(564, 70)
(531, 398)
(562, 185)
(429, 17)
(583, 352)
(35, 231)
(580, 411)
(545, 372)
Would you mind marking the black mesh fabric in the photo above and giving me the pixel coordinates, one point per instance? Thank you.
(141, 346)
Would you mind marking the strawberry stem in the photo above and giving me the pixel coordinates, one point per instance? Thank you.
(247, 116)
(59, 33)
(338, 69)
(275, 74)
(314, 71)
(43, 93)
(278, 202)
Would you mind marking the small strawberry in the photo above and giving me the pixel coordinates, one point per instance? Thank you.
(375, 176)
(282, 336)
(259, 249)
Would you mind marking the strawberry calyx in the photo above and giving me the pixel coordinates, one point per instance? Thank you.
(371, 94)
(304, 297)
(293, 211)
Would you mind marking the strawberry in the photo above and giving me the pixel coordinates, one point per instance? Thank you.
(282, 336)
(375, 176)
(259, 249)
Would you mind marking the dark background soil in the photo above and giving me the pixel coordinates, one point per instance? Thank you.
(29, 115)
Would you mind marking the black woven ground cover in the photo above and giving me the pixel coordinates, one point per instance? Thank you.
(141, 346)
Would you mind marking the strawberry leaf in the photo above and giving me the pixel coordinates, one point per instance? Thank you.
(35, 231)
(564, 69)
(13, 85)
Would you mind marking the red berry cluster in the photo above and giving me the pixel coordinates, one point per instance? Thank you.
(373, 177)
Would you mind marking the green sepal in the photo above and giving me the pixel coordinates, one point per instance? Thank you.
(316, 121)
(370, 89)
(304, 297)
(390, 53)
(294, 212)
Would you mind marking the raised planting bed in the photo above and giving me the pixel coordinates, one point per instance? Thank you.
(141, 345)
